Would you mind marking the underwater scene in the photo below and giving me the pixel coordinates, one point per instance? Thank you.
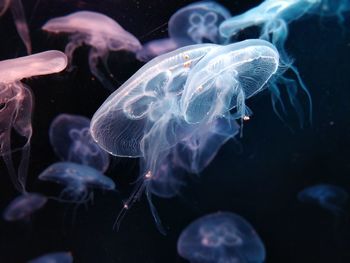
(175, 131)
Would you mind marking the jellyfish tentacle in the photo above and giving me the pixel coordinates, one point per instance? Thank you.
(21, 23)
(155, 213)
(94, 57)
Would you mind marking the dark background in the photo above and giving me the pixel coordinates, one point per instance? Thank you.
(257, 176)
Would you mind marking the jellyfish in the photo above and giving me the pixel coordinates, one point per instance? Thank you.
(273, 18)
(16, 106)
(330, 197)
(23, 206)
(56, 257)
(143, 118)
(155, 48)
(77, 180)
(219, 238)
(198, 23)
(100, 32)
(19, 17)
(71, 140)
(225, 78)
(193, 24)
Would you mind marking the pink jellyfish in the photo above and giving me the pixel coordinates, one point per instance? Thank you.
(16, 106)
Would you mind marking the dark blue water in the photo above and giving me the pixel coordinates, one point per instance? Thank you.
(257, 176)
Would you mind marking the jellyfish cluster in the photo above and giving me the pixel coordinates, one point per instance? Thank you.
(190, 96)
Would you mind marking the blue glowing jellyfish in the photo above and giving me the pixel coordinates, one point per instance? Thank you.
(225, 78)
(23, 206)
(198, 23)
(77, 180)
(19, 17)
(273, 17)
(16, 106)
(100, 32)
(221, 237)
(57, 257)
(71, 140)
(330, 197)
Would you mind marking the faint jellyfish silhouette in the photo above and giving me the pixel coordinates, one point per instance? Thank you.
(77, 180)
(56, 257)
(219, 238)
(198, 23)
(142, 119)
(23, 206)
(100, 32)
(16, 106)
(273, 17)
(155, 48)
(330, 8)
(20, 20)
(225, 78)
(330, 197)
(71, 140)
(193, 24)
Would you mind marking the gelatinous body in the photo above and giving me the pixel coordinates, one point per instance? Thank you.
(221, 237)
(57, 257)
(24, 206)
(100, 32)
(160, 114)
(71, 140)
(330, 197)
(198, 23)
(20, 20)
(77, 179)
(226, 77)
(193, 24)
(119, 124)
(16, 106)
(273, 16)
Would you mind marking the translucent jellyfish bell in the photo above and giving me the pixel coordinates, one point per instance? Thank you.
(23, 206)
(77, 179)
(99, 31)
(119, 124)
(16, 105)
(71, 140)
(330, 197)
(57, 257)
(198, 23)
(226, 77)
(221, 237)
(20, 20)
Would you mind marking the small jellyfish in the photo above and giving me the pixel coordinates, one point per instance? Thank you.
(100, 32)
(19, 17)
(56, 257)
(221, 237)
(16, 106)
(225, 78)
(77, 180)
(155, 48)
(330, 197)
(198, 23)
(273, 18)
(71, 140)
(23, 206)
